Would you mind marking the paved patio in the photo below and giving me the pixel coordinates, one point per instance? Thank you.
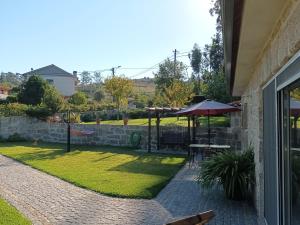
(45, 199)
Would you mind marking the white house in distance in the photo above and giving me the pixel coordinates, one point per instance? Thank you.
(63, 81)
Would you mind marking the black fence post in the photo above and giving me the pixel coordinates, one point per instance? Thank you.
(149, 131)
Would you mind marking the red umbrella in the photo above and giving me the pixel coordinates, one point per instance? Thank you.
(207, 108)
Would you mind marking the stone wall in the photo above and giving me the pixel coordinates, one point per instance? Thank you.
(108, 134)
(282, 44)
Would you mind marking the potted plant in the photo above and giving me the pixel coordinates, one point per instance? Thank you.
(233, 170)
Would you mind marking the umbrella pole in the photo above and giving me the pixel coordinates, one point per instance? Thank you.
(209, 129)
(194, 130)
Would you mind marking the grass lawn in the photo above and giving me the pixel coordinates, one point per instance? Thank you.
(10, 216)
(220, 121)
(114, 171)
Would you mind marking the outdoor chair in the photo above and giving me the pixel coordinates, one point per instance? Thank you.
(200, 219)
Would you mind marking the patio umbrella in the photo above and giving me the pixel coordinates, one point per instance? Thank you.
(207, 108)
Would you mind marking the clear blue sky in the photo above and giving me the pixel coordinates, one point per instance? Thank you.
(98, 34)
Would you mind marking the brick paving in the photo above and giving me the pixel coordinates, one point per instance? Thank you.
(45, 200)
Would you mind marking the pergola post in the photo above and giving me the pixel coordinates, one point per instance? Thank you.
(149, 131)
(157, 130)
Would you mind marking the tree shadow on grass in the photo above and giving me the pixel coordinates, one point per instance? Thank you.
(150, 166)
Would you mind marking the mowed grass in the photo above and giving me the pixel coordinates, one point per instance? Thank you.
(113, 171)
(10, 215)
(220, 121)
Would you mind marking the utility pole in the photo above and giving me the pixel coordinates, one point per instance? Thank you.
(175, 54)
(113, 69)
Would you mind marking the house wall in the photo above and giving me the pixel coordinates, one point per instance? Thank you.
(65, 85)
(282, 44)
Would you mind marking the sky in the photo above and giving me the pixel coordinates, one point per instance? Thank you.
(100, 34)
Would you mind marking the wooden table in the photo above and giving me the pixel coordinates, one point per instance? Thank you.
(205, 146)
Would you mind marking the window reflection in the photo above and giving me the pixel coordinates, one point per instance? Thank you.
(294, 156)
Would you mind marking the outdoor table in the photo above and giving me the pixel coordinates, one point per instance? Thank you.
(205, 146)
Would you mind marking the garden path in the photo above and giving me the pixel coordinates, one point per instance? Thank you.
(45, 199)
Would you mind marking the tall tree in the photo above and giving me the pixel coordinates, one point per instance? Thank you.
(86, 78)
(32, 91)
(196, 63)
(178, 93)
(165, 75)
(97, 77)
(120, 88)
(212, 62)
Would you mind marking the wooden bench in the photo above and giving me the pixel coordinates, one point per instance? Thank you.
(200, 219)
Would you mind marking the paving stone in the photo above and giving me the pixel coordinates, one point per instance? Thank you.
(45, 199)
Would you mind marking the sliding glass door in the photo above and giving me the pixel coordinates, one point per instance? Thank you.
(289, 156)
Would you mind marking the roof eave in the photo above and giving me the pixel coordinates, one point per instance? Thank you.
(231, 17)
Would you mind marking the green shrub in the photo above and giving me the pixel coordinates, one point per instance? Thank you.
(234, 171)
(39, 111)
(13, 109)
(12, 99)
(15, 138)
(88, 117)
(79, 98)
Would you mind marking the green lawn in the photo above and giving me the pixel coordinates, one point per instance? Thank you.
(10, 216)
(181, 121)
(113, 171)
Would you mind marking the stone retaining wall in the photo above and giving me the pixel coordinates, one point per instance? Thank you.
(116, 135)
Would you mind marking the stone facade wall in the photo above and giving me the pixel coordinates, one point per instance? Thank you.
(282, 44)
(108, 134)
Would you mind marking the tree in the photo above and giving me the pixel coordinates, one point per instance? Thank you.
(120, 88)
(99, 95)
(11, 78)
(214, 84)
(178, 93)
(79, 98)
(52, 99)
(32, 91)
(214, 87)
(196, 63)
(97, 77)
(165, 75)
(86, 78)
(141, 100)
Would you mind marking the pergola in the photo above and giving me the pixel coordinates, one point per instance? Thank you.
(157, 111)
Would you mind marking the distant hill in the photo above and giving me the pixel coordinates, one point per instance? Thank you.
(144, 85)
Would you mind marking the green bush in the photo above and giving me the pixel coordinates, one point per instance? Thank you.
(234, 171)
(12, 99)
(39, 111)
(88, 117)
(15, 138)
(79, 98)
(13, 109)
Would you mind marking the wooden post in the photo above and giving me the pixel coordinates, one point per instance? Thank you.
(149, 131)
(157, 130)
(69, 133)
